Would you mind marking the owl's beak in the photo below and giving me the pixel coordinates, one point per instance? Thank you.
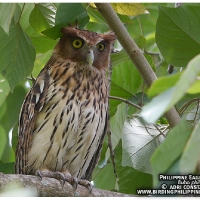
(90, 57)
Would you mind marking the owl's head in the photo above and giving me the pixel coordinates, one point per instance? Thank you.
(86, 47)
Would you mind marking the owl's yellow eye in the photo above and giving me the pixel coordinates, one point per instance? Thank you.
(77, 43)
(101, 46)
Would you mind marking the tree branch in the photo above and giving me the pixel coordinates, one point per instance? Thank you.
(125, 101)
(134, 53)
(50, 187)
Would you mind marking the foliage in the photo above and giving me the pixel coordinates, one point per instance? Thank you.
(166, 36)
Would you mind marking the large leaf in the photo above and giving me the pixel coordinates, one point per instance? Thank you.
(3, 140)
(125, 80)
(67, 13)
(132, 9)
(47, 43)
(195, 88)
(117, 124)
(6, 14)
(163, 102)
(163, 83)
(7, 168)
(10, 118)
(139, 141)
(24, 20)
(126, 77)
(96, 17)
(17, 55)
(104, 178)
(177, 34)
(4, 89)
(119, 58)
(130, 179)
(34, 33)
(190, 156)
(170, 150)
(41, 17)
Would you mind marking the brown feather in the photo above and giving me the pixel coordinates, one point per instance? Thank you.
(63, 119)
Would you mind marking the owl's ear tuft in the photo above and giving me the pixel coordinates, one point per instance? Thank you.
(69, 31)
(110, 36)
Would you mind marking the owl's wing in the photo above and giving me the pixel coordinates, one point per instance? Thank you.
(95, 158)
(32, 105)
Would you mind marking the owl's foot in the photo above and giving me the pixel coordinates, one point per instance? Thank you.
(86, 184)
(59, 176)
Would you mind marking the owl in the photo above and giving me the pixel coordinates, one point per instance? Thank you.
(63, 118)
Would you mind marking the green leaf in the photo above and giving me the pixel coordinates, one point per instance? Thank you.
(3, 110)
(4, 89)
(116, 126)
(104, 178)
(163, 102)
(10, 118)
(117, 123)
(191, 152)
(150, 60)
(24, 20)
(126, 77)
(7, 168)
(6, 14)
(17, 55)
(13, 103)
(3, 141)
(67, 13)
(53, 32)
(177, 34)
(163, 83)
(125, 81)
(140, 41)
(130, 9)
(156, 108)
(195, 88)
(170, 150)
(95, 16)
(47, 43)
(130, 179)
(41, 17)
(15, 137)
(119, 58)
(40, 62)
(139, 141)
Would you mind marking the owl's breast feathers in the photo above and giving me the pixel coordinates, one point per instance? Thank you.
(63, 120)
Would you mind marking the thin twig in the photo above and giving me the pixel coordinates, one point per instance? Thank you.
(161, 132)
(196, 111)
(187, 104)
(125, 101)
(138, 107)
(112, 154)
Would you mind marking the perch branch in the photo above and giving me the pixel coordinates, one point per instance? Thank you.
(50, 187)
(134, 53)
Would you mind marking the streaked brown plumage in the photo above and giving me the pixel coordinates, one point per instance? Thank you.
(63, 118)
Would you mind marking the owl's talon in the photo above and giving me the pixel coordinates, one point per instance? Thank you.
(74, 183)
(86, 184)
(90, 187)
(39, 174)
(60, 176)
